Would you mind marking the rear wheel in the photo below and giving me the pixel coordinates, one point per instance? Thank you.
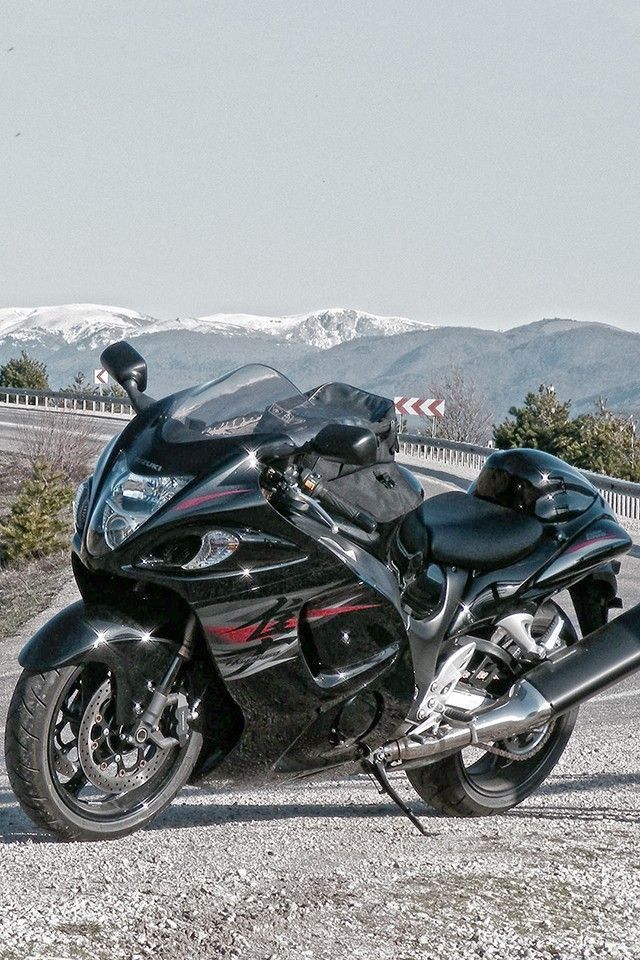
(477, 782)
(72, 772)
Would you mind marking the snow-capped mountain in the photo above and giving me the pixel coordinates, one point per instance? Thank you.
(78, 323)
(89, 326)
(392, 356)
(322, 328)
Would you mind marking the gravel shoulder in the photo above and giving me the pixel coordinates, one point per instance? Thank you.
(324, 869)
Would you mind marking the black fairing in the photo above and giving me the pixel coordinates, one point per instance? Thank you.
(302, 626)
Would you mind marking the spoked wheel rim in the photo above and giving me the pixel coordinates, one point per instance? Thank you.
(95, 773)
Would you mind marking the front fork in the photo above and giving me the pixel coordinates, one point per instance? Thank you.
(148, 727)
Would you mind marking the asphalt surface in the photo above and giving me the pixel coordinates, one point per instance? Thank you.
(319, 870)
(14, 422)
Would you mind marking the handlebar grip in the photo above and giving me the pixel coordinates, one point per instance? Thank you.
(361, 518)
(277, 449)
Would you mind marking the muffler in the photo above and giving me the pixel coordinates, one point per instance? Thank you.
(566, 679)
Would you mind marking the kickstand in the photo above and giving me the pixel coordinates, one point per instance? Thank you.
(377, 771)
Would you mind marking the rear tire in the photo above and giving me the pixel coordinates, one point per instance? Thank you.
(468, 784)
(496, 785)
(29, 735)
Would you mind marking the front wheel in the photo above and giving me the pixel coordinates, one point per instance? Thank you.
(72, 772)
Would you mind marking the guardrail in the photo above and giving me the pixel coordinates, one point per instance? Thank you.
(622, 495)
(63, 401)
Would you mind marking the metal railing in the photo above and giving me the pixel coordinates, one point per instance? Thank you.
(63, 401)
(622, 495)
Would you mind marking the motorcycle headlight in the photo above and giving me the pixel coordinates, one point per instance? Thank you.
(127, 501)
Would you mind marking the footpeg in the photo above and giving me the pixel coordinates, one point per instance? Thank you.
(430, 710)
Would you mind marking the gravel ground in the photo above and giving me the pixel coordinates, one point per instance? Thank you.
(319, 870)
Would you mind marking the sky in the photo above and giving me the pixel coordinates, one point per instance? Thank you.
(451, 161)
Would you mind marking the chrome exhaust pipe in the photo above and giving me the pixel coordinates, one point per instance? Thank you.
(522, 709)
(564, 680)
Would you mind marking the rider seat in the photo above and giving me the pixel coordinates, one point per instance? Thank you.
(456, 529)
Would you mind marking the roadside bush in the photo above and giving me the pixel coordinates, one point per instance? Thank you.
(603, 441)
(36, 526)
(68, 443)
(467, 415)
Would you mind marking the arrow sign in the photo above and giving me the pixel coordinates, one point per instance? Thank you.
(419, 406)
(101, 378)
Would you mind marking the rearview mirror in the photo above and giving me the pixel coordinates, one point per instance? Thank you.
(125, 364)
(356, 446)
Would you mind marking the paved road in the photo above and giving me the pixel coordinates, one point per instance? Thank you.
(13, 424)
(313, 870)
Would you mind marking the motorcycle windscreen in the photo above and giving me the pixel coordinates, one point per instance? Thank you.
(256, 399)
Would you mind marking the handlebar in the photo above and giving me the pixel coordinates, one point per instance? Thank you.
(314, 487)
(318, 489)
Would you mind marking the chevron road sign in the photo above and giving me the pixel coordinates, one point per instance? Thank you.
(419, 406)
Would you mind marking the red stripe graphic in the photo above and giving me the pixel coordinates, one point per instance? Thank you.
(253, 632)
(207, 497)
(589, 543)
(334, 611)
(242, 634)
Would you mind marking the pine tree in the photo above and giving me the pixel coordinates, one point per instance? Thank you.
(24, 373)
(603, 442)
(81, 385)
(543, 423)
(35, 526)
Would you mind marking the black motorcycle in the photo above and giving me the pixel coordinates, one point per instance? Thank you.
(266, 597)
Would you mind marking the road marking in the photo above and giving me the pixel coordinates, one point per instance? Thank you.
(20, 427)
(621, 695)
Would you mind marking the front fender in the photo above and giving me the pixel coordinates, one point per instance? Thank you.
(81, 634)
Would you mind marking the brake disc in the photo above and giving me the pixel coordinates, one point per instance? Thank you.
(109, 763)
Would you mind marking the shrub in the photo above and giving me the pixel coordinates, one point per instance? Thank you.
(467, 415)
(24, 373)
(68, 442)
(35, 525)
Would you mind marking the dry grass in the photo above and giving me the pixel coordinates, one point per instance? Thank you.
(69, 443)
(28, 589)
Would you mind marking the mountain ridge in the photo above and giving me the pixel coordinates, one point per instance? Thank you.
(80, 323)
(389, 355)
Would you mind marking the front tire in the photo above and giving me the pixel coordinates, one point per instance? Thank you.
(48, 770)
